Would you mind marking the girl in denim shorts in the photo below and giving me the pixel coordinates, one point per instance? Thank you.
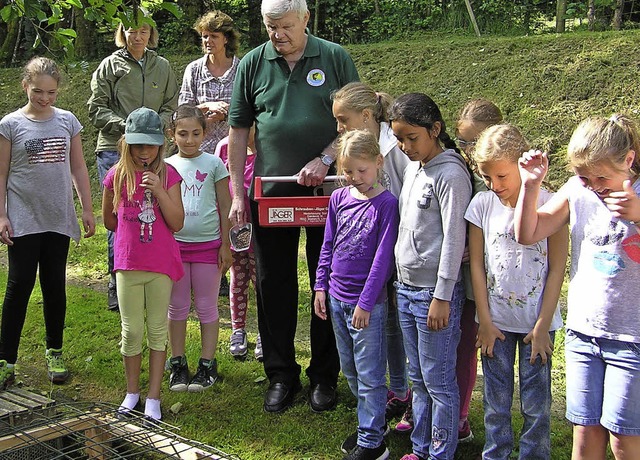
(601, 205)
(516, 290)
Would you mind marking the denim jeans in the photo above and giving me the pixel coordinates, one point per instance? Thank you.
(363, 361)
(432, 370)
(104, 161)
(604, 388)
(535, 400)
(396, 357)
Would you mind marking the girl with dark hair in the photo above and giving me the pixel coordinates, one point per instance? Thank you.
(431, 240)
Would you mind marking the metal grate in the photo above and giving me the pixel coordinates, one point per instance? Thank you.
(94, 431)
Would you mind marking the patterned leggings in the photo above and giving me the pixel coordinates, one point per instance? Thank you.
(243, 271)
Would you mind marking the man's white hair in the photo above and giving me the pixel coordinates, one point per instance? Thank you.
(276, 9)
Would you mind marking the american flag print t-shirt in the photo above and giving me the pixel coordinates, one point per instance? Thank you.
(48, 150)
(39, 185)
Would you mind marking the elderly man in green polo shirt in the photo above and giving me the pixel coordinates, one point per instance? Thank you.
(284, 86)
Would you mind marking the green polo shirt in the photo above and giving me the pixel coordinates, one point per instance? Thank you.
(291, 108)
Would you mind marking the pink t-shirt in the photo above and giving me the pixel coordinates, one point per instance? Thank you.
(142, 239)
(222, 151)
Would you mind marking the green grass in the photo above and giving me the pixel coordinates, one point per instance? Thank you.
(544, 84)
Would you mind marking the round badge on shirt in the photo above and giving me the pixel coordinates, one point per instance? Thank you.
(316, 77)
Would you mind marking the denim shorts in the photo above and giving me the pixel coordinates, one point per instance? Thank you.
(603, 384)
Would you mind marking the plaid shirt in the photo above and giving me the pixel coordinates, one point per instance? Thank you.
(198, 86)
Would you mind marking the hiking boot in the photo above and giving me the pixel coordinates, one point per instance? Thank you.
(405, 425)
(56, 370)
(7, 375)
(363, 453)
(112, 294)
(205, 376)
(465, 434)
(238, 344)
(258, 353)
(352, 440)
(224, 287)
(396, 406)
(179, 378)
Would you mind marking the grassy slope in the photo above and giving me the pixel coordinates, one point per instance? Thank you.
(544, 84)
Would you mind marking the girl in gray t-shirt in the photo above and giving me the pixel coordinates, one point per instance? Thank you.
(40, 159)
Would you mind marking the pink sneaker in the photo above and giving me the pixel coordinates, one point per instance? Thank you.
(396, 406)
(411, 457)
(405, 425)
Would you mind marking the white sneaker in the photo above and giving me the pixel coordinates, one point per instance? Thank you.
(238, 344)
(258, 351)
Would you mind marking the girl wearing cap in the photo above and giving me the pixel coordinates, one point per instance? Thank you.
(142, 204)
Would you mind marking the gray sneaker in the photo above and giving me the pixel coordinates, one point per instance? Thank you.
(258, 351)
(238, 344)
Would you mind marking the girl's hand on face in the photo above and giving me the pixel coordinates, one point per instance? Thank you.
(624, 204)
(152, 182)
(541, 345)
(319, 304)
(360, 318)
(533, 166)
(486, 338)
(6, 232)
(438, 317)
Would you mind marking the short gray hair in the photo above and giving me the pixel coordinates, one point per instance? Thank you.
(276, 9)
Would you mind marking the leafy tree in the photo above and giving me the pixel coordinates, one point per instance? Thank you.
(51, 20)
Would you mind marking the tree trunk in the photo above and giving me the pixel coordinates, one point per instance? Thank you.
(85, 44)
(316, 17)
(591, 15)
(376, 6)
(9, 43)
(617, 15)
(561, 11)
(255, 23)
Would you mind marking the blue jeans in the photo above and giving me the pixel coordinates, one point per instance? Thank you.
(604, 388)
(396, 357)
(432, 370)
(104, 161)
(535, 400)
(363, 361)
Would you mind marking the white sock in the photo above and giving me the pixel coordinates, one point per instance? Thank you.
(152, 409)
(130, 401)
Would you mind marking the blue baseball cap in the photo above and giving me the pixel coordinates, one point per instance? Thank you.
(144, 126)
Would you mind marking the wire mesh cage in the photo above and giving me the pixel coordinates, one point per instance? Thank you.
(97, 431)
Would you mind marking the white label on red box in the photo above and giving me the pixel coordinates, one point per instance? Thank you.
(277, 215)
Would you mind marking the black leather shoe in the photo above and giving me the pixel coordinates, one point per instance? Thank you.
(322, 397)
(279, 397)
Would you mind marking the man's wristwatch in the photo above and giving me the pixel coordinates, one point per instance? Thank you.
(327, 160)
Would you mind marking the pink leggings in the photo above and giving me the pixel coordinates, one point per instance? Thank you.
(243, 271)
(204, 280)
(467, 361)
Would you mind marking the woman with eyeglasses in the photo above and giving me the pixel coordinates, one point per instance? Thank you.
(134, 76)
(476, 116)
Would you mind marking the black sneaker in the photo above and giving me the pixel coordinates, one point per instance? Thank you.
(112, 295)
(352, 440)
(224, 287)
(363, 453)
(179, 378)
(206, 375)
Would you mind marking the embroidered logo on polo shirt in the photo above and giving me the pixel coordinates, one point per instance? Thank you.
(316, 77)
